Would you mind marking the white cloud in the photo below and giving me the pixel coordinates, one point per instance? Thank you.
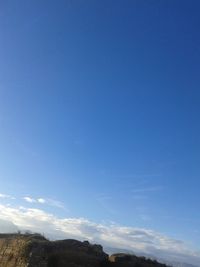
(41, 200)
(110, 235)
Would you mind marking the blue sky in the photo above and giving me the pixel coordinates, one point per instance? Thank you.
(99, 111)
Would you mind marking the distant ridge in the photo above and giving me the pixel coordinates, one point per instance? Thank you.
(172, 263)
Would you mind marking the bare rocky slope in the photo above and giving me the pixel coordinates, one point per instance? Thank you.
(33, 250)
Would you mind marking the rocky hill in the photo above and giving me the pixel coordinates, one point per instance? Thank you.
(33, 250)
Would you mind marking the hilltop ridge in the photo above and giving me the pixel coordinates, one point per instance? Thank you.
(34, 250)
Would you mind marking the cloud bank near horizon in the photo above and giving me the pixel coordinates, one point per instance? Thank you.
(112, 235)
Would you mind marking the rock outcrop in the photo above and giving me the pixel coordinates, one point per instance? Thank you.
(36, 251)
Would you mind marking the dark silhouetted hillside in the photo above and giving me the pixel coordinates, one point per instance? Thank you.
(33, 250)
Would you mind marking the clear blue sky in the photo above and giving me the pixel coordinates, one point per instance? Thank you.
(100, 108)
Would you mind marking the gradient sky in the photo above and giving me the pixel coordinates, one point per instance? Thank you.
(99, 111)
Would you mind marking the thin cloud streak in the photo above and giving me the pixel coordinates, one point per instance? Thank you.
(147, 189)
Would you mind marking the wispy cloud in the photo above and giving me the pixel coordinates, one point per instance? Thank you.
(144, 193)
(147, 189)
(30, 200)
(112, 235)
(47, 201)
(6, 196)
(54, 203)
